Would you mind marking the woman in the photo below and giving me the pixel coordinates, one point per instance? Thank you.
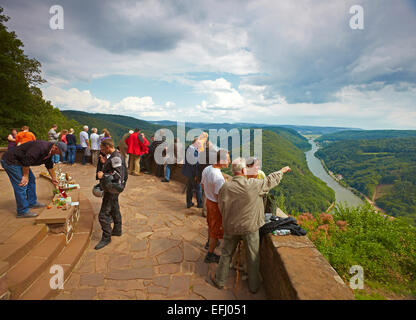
(63, 139)
(105, 135)
(12, 139)
(71, 141)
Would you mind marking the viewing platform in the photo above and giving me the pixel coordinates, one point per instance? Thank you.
(159, 256)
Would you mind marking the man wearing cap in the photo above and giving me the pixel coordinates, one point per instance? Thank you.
(241, 205)
(17, 163)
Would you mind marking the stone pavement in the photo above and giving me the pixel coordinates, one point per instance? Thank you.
(160, 254)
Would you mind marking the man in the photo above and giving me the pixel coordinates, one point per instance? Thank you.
(112, 173)
(24, 136)
(17, 163)
(85, 143)
(54, 138)
(205, 159)
(212, 181)
(12, 139)
(95, 146)
(241, 205)
(123, 146)
(134, 151)
(190, 170)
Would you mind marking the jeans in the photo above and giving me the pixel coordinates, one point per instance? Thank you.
(252, 246)
(64, 156)
(25, 196)
(109, 208)
(167, 172)
(190, 186)
(56, 158)
(71, 154)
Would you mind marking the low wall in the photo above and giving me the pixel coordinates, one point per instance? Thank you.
(293, 269)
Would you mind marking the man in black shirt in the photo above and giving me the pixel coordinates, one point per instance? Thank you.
(17, 163)
(112, 173)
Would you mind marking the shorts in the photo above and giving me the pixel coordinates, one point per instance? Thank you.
(214, 220)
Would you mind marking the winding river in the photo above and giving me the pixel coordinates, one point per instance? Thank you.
(342, 194)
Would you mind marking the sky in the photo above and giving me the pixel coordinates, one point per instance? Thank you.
(272, 62)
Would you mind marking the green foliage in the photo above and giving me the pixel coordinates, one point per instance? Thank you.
(366, 134)
(365, 164)
(384, 247)
(300, 189)
(21, 102)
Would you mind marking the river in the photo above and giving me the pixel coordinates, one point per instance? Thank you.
(342, 194)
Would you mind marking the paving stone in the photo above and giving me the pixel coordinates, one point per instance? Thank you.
(209, 292)
(156, 290)
(188, 267)
(119, 261)
(117, 295)
(156, 296)
(169, 268)
(140, 295)
(173, 255)
(179, 286)
(138, 245)
(158, 246)
(191, 253)
(189, 235)
(84, 294)
(162, 281)
(63, 296)
(101, 261)
(92, 280)
(124, 285)
(139, 255)
(128, 274)
(143, 235)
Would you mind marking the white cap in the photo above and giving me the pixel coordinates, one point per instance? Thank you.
(131, 131)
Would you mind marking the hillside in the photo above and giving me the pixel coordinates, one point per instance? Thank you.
(21, 101)
(116, 124)
(300, 190)
(365, 134)
(383, 170)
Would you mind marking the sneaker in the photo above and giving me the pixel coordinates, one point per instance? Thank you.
(164, 180)
(209, 279)
(28, 214)
(212, 258)
(38, 205)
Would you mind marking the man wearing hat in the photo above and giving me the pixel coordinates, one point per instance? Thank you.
(17, 163)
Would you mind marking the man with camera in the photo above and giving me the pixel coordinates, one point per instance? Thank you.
(112, 173)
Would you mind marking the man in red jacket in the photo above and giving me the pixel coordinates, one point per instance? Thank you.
(136, 146)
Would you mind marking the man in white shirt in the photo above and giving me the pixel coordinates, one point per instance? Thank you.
(95, 146)
(212, 181)
(85, 143)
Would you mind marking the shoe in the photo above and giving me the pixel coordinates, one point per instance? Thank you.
(102, 244)
(38, 205)
(191, 205)
(28, 214)
(212, 258)
(116, 231)
(164, 180)
(209, 279)
(207, 244)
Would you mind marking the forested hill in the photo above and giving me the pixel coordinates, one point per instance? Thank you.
(21, 101)
(366, 134)
(300, 190)
(117, 125)
(383, 169)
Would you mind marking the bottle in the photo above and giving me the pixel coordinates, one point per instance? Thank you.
(281, 232)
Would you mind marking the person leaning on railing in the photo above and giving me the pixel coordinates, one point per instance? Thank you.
(240, 201)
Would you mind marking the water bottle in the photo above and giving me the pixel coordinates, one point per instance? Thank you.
(282, 232)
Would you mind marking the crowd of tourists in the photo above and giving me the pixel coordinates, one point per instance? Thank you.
(234, 209)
